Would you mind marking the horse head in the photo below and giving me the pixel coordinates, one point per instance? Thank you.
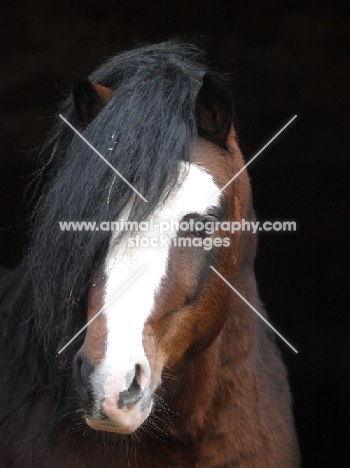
(177, 306)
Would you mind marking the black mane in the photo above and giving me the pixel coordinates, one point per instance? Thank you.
(151, 115)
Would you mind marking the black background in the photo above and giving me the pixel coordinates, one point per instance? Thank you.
(284, 58)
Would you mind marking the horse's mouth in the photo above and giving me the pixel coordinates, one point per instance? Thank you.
(98, 425)
(126, 422)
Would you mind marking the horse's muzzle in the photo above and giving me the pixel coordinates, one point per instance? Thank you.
(116, 399)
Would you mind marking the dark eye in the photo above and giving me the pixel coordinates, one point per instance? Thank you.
(204, 226)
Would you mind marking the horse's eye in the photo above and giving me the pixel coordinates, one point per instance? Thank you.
(204, 226)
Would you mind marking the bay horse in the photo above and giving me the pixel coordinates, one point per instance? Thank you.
(172, 369)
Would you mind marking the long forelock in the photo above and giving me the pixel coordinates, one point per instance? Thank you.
(149, 123)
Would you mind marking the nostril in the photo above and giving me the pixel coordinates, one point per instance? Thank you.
(82, 372)
(138, 375)
(133, 394)
(77, 370)
(77, 364)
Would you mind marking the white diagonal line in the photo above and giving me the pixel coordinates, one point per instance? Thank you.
(103, 158)
(101, 310)
(252, 159)
(253, 309)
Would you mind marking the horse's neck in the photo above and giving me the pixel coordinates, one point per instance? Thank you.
(234, 392)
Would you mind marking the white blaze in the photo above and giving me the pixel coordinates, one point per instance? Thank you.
(126, 315)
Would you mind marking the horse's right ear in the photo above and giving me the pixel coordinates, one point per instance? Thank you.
(89, 98)
(214, 109)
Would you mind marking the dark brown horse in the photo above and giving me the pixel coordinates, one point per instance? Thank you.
(173, 368)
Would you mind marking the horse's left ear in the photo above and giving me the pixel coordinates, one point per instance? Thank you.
(89, 98)
(214, 110)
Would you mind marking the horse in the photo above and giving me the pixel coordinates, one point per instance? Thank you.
(168, 366)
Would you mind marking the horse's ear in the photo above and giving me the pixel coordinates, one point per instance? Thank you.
(89, 98)
(214, 110)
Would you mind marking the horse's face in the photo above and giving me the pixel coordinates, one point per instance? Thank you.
(176, 307)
